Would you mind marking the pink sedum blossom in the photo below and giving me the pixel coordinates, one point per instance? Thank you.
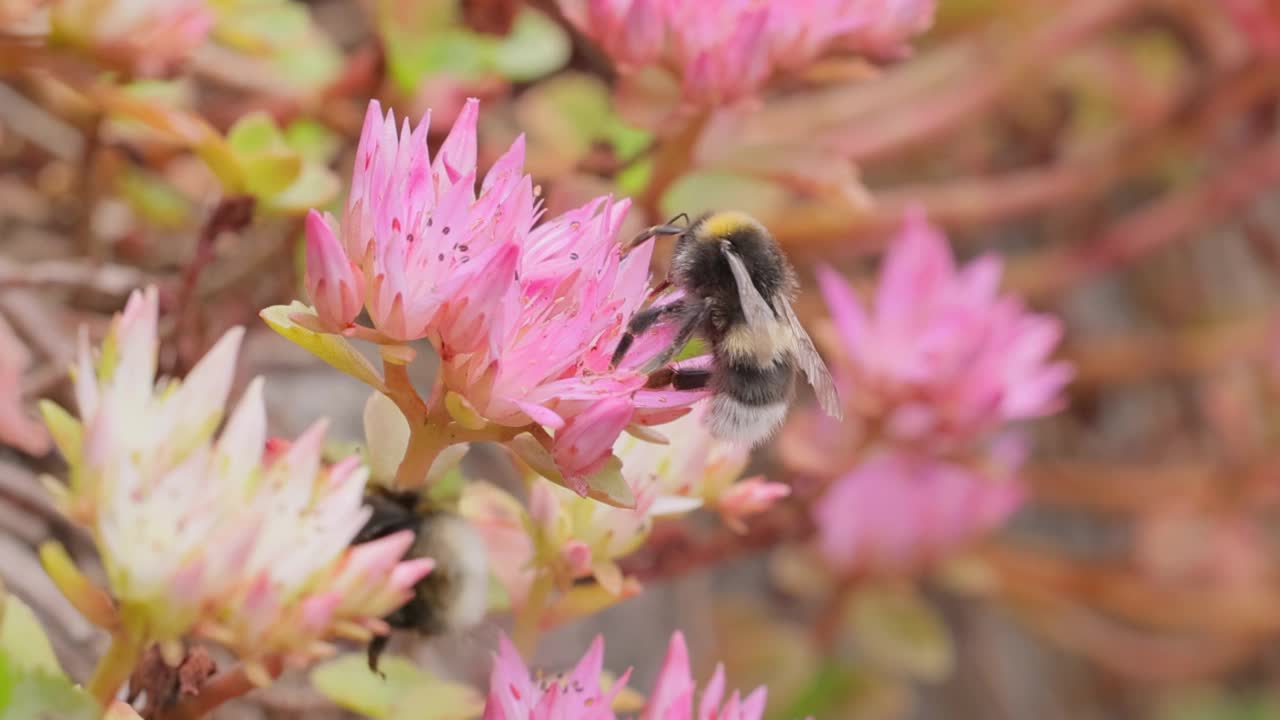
(152, 36)
(941, 357)
(933, 373)
(900, 511)
(673, 693)
(204, 535)
(514, 695)
(720, 52)
(524, 318)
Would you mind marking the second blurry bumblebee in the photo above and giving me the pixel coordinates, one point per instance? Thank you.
(738, 288)
(455, 594)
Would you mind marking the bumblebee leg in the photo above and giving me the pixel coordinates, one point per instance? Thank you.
(679, 379)
(692, 321)
(642, 321)
(690, 379)
(658, 289)
(376, 646)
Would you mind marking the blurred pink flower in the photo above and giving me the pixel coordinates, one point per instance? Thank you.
(211, 535)
(892, 23)
(898, 511)
(720, 52)
(941, 358)
(524, 318)
(151, 36)
(673, 693)
(17, 428)
(513, 694)
(1258, 21)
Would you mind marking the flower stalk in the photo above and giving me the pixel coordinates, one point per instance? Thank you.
(116, 665)
(221, 689)
(528, 626)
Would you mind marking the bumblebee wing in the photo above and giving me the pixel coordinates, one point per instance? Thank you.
(754, 306)
(810, 362)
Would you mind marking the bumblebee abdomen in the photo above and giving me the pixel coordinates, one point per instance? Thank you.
(750, 400)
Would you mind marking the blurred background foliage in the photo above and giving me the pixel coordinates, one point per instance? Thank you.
(1122, 155)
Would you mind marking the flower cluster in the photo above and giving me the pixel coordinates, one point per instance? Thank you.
(563, 537)
(205, 536)
(579, 695)
(724, 51)
(524, 318)
(931, 376)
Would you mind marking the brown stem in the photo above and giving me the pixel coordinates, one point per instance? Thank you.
(673, 549)
(221, 688)
(941, 110)
(980, 201)
(826, 630)
(88, 186)
(674, 159)
(1244, 177)
(232, 214)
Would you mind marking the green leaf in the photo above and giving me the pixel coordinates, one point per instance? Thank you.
(333, 349)
(154, 199)
(1215, 704)
(36, 695)
(608, 486)
(702, 191)
(535, 47)
(406, 691)
(314, 187)
(23, 639)
(317, 143)
(255, 133)
(64, 428)
(310, 64)
(270, 173)
(899, 631)
(537, 457)
(634, 178)
(454, 52)
(32, 685)
(256, 26)
(563, 115)
(386, 435)
(840, 691)
(447, 489)
(439, 701)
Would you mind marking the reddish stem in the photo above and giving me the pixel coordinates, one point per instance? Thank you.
(222, 688)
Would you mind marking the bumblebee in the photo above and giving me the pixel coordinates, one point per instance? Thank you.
(738, 287)
(454, 596)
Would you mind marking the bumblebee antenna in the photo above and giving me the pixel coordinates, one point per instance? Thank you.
(651, 233)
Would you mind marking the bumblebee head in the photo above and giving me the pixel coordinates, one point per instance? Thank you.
(722, 227)
(726, 226)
